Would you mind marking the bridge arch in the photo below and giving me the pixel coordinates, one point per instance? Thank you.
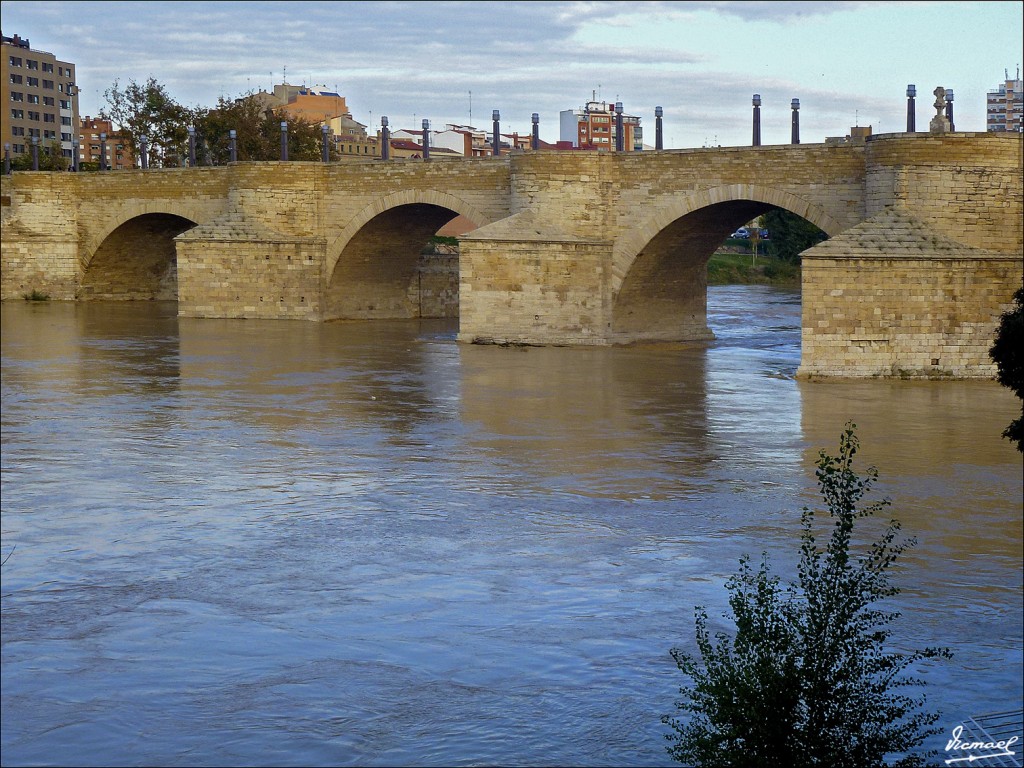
(96, 234)
(132, 256)
(659, 280)
(372, 264)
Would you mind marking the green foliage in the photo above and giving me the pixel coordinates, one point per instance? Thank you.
(807, 679)
(790, 234)
(50, 159)
(148, 110)
(1007, 352)
(741, 269)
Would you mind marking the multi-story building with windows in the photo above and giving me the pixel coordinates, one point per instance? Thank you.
(91, 134)
(1005, 106)
(594, 126)
(40, 99)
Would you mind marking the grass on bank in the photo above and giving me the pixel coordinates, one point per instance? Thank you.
(727, 267)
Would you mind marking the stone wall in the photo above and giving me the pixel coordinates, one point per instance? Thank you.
(571, 247)
(37, 254)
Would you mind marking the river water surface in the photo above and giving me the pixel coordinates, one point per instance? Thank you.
(289, 543)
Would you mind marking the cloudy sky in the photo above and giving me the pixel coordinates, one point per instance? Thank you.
(849, 63)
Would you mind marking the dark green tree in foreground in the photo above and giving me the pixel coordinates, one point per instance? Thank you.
(807, 679)
(1008, 354)
(49, 156)
(790, 234)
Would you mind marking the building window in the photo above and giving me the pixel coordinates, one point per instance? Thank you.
(49, 117)
(49, 134)
(33, 116)
(17, 96)
(32, 82)
(18, 130)
(47, 85)
(15, 61)
(48, 101)
(34, 132)
(65, 104)
(17, 114)
(32, 64)
(16, 79)
(65, 137)
(47, 67)
(33, 98)
(65, 121)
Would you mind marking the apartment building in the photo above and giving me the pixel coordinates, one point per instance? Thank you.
(91, 134)
(40, 99)
(1005, 106)
(320, 106)
(594, 126)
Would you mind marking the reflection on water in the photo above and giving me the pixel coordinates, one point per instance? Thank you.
(353, 543)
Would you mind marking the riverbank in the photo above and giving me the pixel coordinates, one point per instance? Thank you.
(727, 267)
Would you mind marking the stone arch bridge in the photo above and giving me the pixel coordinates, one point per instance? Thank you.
(571, 248)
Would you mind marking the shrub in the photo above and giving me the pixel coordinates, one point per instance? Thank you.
(807, 678)
(1007, 353)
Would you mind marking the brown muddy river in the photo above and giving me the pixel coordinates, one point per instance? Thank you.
(248, 542)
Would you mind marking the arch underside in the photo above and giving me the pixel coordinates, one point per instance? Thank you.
(137, 261)
(663, 295)
(379, 273)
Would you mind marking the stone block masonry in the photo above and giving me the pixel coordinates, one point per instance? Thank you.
(925, 251)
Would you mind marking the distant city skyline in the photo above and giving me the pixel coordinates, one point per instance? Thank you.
(848, 63)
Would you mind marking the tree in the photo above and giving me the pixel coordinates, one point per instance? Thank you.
(51, 158)
(148, 110)
(258, 132)
(1007, 352)
(807, 680)
(790, 234)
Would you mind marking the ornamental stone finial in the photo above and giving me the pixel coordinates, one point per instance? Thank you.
(939, 123)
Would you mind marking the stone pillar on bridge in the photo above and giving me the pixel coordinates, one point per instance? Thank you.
(659, 140)
(911, 110)
(385, 139)
(535, 136)
(795, 104)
